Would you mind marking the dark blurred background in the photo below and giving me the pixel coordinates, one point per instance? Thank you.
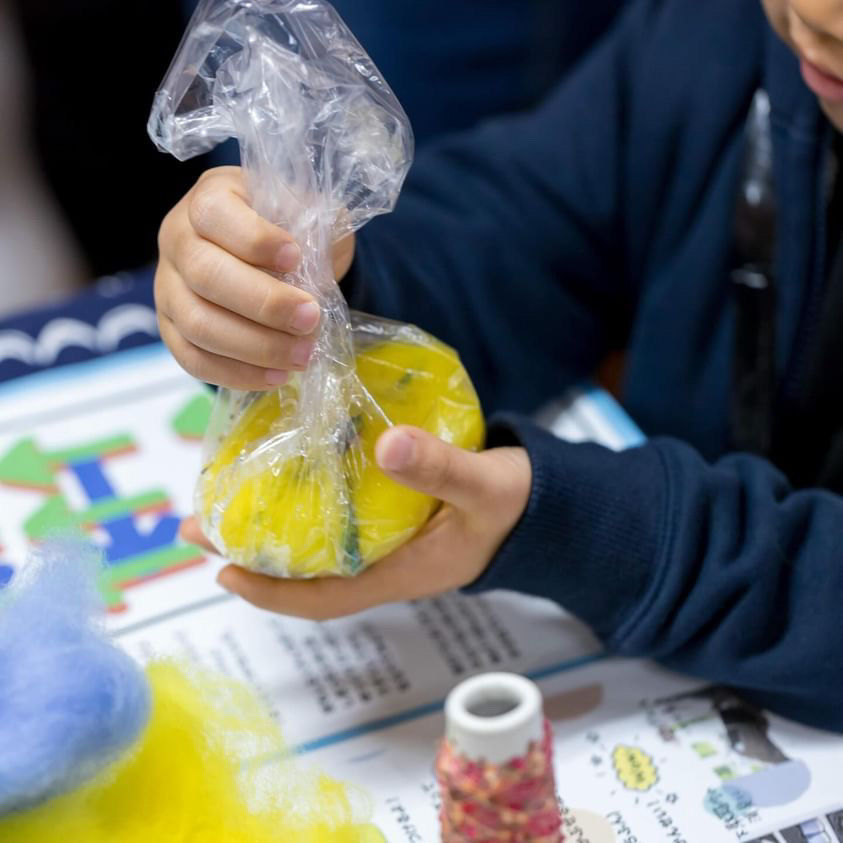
(94, 66)
(91, 68)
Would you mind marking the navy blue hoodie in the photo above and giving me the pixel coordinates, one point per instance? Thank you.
(539, 242)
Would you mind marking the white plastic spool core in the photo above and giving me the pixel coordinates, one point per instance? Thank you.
(494, 717)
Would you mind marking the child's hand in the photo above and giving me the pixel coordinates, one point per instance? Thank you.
(484, 496)
(225, 319)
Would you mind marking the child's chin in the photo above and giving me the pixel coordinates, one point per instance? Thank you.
(834, 112)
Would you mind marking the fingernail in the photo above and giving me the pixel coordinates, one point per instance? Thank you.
(305, 317)
(276, 377)
(301, 353)
(394, 450)
(223, 581)
(289, 256)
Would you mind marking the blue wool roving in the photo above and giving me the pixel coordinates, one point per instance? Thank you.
(70, 701)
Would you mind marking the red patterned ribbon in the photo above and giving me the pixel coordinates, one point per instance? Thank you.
(487, 803)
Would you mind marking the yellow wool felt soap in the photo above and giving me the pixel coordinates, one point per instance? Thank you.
(272, 506)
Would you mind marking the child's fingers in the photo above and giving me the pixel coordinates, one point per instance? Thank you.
(225, 280)
(425, 463)
(217, 369)
(219, 331)
(316, 599)
(218, 211)
(190, 531)
(438, 559)
(319, 599)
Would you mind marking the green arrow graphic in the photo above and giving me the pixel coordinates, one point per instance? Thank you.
(190, 422)
(55, 514)
(26, 465)
(146, 566)
(93, 450)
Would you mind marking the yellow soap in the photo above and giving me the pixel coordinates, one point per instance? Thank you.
(328, 509)
(421, 385)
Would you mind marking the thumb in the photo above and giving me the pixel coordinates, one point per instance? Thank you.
(425, 463)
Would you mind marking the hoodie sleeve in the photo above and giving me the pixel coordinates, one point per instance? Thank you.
(506, 240)
(720, 570)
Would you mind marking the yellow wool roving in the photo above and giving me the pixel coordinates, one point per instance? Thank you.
(200, 774)
(276, 505)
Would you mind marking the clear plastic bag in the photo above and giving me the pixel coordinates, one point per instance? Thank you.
(289, 484)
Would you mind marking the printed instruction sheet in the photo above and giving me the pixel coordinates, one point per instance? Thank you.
(642, 755)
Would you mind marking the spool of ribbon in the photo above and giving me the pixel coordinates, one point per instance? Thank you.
(495, 764)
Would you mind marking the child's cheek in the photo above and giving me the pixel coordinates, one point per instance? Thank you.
(777, 13)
